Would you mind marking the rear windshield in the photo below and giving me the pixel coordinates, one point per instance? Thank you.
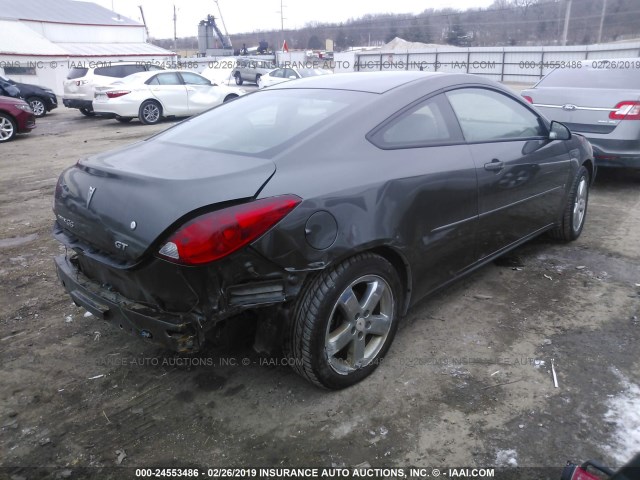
(77, 73)
(263, 122)
(627, 79)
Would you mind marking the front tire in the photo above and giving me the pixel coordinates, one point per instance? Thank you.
(38, 106)
(238, 78)
(150, 112)
(8, 128)
(344, 321)
(575, 210)
(230, 97)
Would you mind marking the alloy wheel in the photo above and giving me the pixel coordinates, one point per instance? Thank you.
(359, 324)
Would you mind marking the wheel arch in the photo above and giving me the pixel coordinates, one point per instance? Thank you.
(590, 166)
(396, 259)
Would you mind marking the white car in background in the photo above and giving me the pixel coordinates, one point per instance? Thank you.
(286, 74)
(150, 96)
(221, 71)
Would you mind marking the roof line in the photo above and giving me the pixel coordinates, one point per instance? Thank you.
(138, 25)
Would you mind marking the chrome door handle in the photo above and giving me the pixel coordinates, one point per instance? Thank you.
(494, 166)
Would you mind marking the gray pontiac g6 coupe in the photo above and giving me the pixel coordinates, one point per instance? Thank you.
(323, 208)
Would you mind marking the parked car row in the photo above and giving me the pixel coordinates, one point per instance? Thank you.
(16, 116)
(42, 100)
(150, 96)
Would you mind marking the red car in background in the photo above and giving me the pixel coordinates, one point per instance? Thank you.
(16, 117)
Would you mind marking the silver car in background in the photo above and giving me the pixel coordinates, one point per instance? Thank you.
(600, 100)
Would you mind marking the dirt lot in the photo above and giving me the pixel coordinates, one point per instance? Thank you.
(467, 382)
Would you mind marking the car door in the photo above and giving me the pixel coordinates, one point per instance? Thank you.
(201, 93)
(169, 89)
(436, 179)
(521, 173)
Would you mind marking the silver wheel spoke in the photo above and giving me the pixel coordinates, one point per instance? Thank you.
(356, 352)
(349, 304)
(372, 296)
(339, 339)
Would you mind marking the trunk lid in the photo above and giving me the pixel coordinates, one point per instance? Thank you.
(116, 205)
(584, 110)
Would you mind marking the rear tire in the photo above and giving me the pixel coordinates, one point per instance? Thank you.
(38, 106)
(8, 128)
(87, 113)
(238, 78)
(150, 112)
(258, 80)
(337, 338)
(575, 210)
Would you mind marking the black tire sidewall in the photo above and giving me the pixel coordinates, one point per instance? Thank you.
(368, 265)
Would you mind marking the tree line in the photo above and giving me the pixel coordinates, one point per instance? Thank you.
(504, 23)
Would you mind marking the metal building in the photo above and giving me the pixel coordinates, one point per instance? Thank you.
(41, 40)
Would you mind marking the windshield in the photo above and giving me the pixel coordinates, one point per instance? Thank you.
(262, 122)
(593, 78)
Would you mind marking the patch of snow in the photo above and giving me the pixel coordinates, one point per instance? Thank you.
(507, 458)
(624, 413)
(88, 314)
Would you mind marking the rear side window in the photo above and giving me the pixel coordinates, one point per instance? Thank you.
(624, 78)
(263, 122)
(77, 73)
(427, 124)
(485, 115)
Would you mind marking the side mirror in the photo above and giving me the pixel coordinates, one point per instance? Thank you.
(559, 131)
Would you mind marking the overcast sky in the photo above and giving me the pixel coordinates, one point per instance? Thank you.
(249, 15)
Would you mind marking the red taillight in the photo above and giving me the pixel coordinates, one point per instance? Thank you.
(627, 110)
(117, 93)
(215, 235)
(528, 98)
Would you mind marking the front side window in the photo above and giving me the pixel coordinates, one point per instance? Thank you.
(485, 115)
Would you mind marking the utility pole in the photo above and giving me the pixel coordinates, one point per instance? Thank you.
(565, 31)
(281, 24)
(604, 8)
(175, 32)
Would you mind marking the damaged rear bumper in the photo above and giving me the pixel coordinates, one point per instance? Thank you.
(181, 333)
